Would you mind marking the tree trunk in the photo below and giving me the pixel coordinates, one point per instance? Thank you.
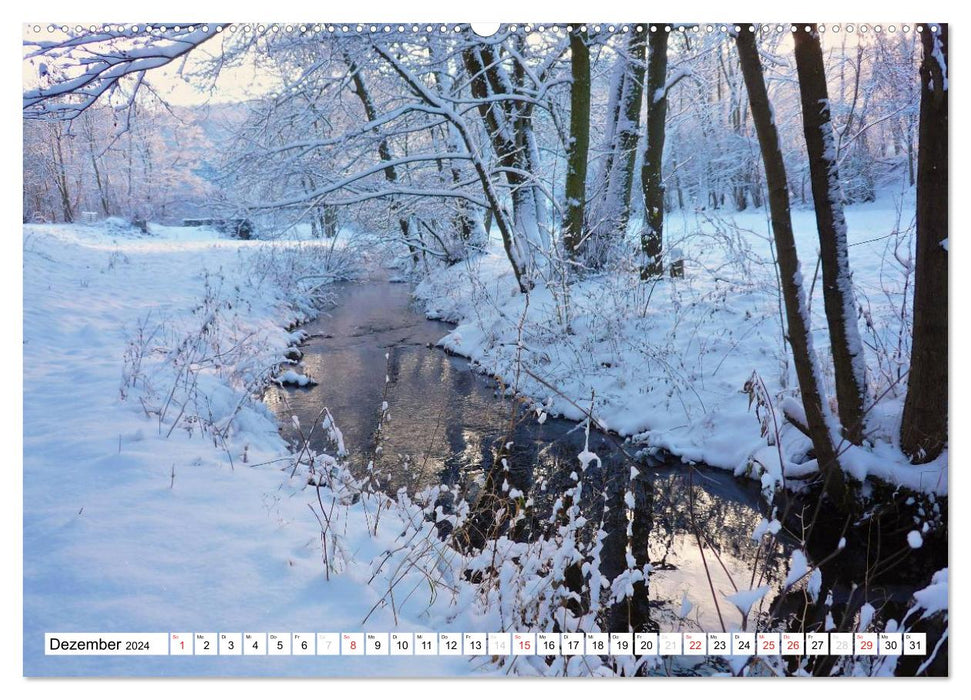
(923, 430)
(818, 415)
(330, 222)
(657, 107)
(576, 169)
(627, 132)
(92, 152)
(838, 297)
(61, 177)
(610, 217)
(910, 162)
(614, 111)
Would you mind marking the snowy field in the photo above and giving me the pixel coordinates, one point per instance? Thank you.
(667, 362)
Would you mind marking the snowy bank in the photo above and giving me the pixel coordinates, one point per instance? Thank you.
(666, 362)
(158, 494)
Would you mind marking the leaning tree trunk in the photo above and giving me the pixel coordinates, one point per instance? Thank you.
(818, 415)
(657, 108)
(923, 429)
(576, 169)
(499, 215)
(467, 219)
(838, 297)
(384, 153)
(510, 133)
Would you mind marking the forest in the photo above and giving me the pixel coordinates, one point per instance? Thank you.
(661, 312)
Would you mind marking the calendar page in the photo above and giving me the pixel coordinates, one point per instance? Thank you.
(614, 348)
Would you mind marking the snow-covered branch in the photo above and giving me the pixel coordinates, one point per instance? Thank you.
(91, 66)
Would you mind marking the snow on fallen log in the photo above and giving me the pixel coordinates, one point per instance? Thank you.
(292, 378)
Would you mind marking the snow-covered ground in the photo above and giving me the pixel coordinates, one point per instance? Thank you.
(159, 496)
(667, 362)
(133, 525)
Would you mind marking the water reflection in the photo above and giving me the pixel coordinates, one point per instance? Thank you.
(447, 425)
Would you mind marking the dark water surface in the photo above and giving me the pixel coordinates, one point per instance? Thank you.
(447, 421)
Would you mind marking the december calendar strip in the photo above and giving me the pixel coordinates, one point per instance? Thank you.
(484, 643)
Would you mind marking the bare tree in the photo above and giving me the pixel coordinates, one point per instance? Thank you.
(838, 297)
(384, 153)
(506, 106)
(923, 429)
(821, 422)
(59, 169)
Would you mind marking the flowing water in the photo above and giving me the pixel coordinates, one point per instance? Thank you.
(447, 421)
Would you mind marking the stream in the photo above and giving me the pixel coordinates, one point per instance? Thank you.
(447, 420)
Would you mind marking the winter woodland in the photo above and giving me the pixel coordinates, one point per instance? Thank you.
(695, 275)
